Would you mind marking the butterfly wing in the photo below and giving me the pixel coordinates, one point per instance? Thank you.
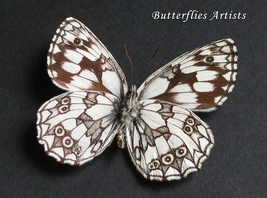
(75, 127)
(199, 80)
(77, 60)
(167, 141)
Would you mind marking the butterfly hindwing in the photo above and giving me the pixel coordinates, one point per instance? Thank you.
(77, 60)
(199, 80)
(75, 127)
(168, 141)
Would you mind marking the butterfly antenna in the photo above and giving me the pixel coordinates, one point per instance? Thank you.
(129, 60)
(147, 65)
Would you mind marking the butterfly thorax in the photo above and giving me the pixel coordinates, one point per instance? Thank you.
(129, 112)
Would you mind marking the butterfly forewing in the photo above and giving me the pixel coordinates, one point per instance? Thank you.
(168, 141)
(199, 80)
(77, 60)
(76, 127)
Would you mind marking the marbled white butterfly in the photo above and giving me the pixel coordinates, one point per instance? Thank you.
(165, 139)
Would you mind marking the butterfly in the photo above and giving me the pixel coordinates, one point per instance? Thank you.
(165, 139)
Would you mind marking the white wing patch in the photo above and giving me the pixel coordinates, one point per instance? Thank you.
(203, 86)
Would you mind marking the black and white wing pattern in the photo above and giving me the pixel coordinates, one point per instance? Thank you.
(75, 127)
(168, 141)
(165, 139)
(199, 80)
(77, 60)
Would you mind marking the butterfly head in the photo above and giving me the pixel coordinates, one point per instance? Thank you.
(132, 94)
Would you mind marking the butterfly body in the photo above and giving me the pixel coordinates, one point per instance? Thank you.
(165, 139)
(126, 111)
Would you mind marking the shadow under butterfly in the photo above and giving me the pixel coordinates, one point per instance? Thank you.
(165, 139)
